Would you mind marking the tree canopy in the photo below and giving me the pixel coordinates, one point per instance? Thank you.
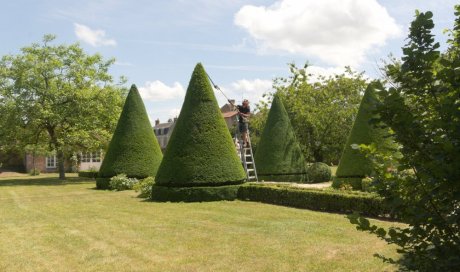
(59, 97)
(321, 109)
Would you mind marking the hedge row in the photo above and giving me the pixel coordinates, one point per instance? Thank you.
(194, 194)
(88, 174)
(313, 199)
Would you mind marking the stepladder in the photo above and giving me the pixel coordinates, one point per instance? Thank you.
(247, 157)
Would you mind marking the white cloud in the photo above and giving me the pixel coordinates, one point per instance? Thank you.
(158, 91)
(94, 37)
(251, 89)
(339, 32)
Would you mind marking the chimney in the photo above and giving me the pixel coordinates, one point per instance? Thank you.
(232, 104)
(157, 122)
(175, 119)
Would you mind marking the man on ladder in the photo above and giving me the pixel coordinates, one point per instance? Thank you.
(244, 112)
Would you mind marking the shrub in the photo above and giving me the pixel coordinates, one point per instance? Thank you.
(34, 172)
(345, 183)
(353, 163)
(121, 182)
(134, 149)
(319, 172)
(144, 187)
(278, 153)
(200, 151)
(322, 200)
(88, 174)
(195, 194)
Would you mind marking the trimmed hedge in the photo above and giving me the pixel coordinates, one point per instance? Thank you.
(200, 151)
(353, 164)
(194, 194)
(103, 183)
(319, 172)
(355, 183)
(88, 174)
(278, 153)
(134, 149)
(321, 200)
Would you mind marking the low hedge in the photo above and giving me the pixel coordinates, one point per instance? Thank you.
(354, 182)
(103, 183)
(88, 174)
(314, 199)
(194, 194)
(302, 178)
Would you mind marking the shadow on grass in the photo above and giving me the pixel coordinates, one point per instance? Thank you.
(45, 181)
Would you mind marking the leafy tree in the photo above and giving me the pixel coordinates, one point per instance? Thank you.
(321, 109)
(58, 96)
(422, 107)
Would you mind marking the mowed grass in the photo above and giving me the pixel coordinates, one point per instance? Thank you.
(48, 225)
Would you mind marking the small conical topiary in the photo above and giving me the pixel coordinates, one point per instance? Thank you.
(354, 165)
(200, 160)
(278, 156)
(134, 149)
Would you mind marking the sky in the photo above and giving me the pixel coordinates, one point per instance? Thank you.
(243, 45)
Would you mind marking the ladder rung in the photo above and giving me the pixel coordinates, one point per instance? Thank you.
(250, 170)
(249, 162)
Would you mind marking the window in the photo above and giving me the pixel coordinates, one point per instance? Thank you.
(91, 157)
(165, 131)
(51, 161)
(159, 131)
(86, 157)
(96, 156)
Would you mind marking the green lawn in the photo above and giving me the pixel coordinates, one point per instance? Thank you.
(46, 225)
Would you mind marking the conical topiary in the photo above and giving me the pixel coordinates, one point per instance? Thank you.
(134, 149)
(278, 156)
(354, 165)
(200, 159)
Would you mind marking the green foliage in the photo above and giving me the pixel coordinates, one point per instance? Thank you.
(144, 187)
(314, 199)
(200, 151)
(194, 194)
(134, 149)
(422, 109)
(319, 172)
(102, 183)
(278, 152)
(354, 164)
(57, 97)
(34, 172)
(88, 174)
(121, 182)
(347, 183)
(321, 110)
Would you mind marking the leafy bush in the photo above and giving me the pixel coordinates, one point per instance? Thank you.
(121, 182)
(319, 172)
(88, 174)
(194, 194)
(34, 172)
(344, 183)
(315, 199)
(144, 186)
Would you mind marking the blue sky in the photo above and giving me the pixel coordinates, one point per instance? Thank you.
(242, 44)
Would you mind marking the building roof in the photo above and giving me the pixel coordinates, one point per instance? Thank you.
(163, 125)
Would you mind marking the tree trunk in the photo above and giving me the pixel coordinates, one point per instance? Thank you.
(61, 167)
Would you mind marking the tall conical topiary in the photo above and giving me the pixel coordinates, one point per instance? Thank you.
(134, 149)
(354, 165)
(278, 156)
(200, 161)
